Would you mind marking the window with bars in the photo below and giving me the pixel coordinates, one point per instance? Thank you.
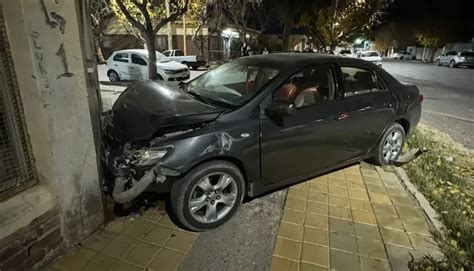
(16, 163)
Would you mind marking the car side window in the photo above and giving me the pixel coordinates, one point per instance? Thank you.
(308, 87)
(358, 81)
(136, 59)
(167, 53)
(121, 57)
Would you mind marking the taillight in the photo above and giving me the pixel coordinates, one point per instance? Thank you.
(421, 98)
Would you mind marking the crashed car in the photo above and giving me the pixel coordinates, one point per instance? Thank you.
(251, 126)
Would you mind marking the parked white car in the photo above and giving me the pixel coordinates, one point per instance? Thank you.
(132, 64)
(402, 55)
(371, 56)
(193, 62)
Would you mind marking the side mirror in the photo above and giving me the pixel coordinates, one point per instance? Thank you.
(280, 109)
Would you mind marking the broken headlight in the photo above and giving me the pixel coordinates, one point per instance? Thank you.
(150, 156)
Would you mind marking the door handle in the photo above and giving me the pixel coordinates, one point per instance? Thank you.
(342, 116)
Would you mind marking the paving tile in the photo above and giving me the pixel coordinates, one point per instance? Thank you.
(369, 172)
(295, 204)
(365, 231)
(142, 254)
(371, 248)
(340, 212)
(166, 260)
(375, 188)
(137, 228)
(342, 242)
(293, 216)
(395, 237)
(119, 246)
(319, 187)
(395, 191)
(358, 194)
(390, 222)
(302, 186)
(315, 254)
(370, 264)
(75, 259)
(166, 221)
(398, 257)
(101, 262)
(99, 240)
(363, 217)
(314, 235)
(181, 241)
(337, 174)
(380, 198)
(355, 185)
(318, 221)
(409, 212)
(416, 226)
(290, 231)
(116, 226)
(341, 260)
(337, 190)
(387, 175)
(358, 204)
(422, 242)
(158, 235)
(281, 264)
(339, 201)
(311, 267)
(323, 178)
(297, 194)
(381, 209)
(287, 248)
(403, 201)
(341, 226)
(318, 196)
(123, 266)
(317, 208)
(332, 181)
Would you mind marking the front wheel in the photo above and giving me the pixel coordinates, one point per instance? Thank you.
(452, 64)
(208, 195)
(390, 145)
(437, 62)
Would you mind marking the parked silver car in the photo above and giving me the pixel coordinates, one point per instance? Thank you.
(455, 59)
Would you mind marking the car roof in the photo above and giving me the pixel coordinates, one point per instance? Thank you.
(137, 51)
(297, 60)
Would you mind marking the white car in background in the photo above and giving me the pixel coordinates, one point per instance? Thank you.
(402, 55)
(132, 64)
(371, 56)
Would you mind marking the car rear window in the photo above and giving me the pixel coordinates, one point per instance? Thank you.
(467, 54)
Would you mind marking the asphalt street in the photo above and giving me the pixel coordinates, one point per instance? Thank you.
(448, 96)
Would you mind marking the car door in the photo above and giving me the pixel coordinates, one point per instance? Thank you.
(312, 139)
(369, 104)
(120, 64)
(138, 68)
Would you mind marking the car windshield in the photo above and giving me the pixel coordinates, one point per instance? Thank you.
(231, 84)
(159, 57)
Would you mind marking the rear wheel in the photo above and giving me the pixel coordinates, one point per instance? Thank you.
(390, 146)
(208, 195)
(437, 62)
(113, 76)
(452, 64)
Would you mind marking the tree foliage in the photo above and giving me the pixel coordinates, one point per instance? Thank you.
(202, 13)
(101, 13)
(335, 24)
(145, 18)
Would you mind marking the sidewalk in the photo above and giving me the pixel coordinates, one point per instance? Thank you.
(352, 219)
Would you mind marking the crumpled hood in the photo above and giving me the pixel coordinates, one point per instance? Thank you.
(145, 107)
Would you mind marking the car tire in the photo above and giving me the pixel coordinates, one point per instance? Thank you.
(437, 62)
(205, 186)
(390, 145)
(452, 64)
(401, 58)
(194, 67)
(159, 77)
(113, 76)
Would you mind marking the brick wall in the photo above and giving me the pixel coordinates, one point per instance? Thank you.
(33, 246)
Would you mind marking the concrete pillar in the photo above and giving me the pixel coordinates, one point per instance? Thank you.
(61, 109)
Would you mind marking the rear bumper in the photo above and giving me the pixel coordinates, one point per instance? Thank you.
(469, 63)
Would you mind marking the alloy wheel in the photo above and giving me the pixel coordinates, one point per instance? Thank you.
(213, 197)
(392, 146)
(113, 77)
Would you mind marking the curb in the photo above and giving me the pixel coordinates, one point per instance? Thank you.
(422, 201)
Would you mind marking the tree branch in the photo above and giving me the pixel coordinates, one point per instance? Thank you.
(129, 17)
(172, 17)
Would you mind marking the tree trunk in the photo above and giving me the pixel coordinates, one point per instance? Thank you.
(286, 35)
(150, 46)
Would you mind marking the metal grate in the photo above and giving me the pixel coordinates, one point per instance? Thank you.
(16, 163)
